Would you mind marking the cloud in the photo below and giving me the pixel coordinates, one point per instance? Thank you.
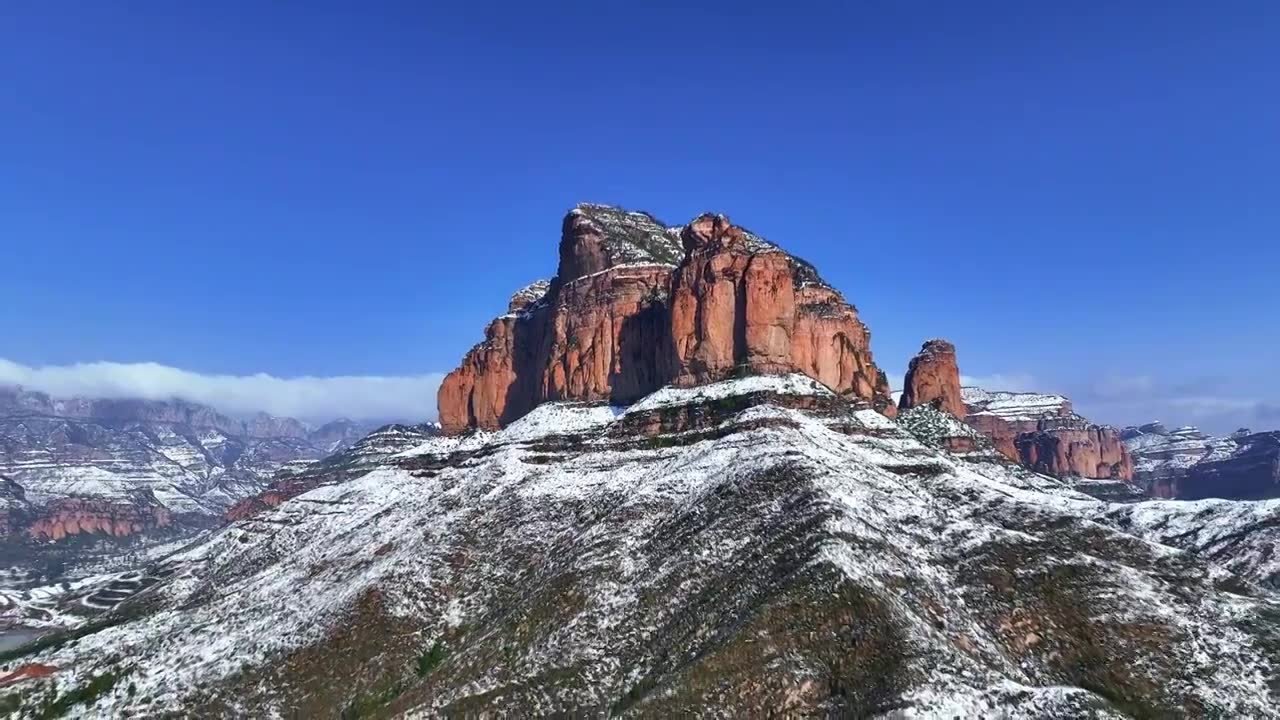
(1213, 403)
(1016, 382)
(1111, 387)
(411, 397)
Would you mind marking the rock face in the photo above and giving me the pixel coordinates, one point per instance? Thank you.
(1043, 433)
(80, 516)
(636, 305)
(1040, 432)
(1075, 446)
(933, 379)
(1186, 464)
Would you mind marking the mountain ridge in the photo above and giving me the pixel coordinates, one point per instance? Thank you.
(1187, 464)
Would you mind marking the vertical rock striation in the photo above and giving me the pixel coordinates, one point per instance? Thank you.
(636, 305)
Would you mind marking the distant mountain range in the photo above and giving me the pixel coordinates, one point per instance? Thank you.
(88, 469)
(1187, 464)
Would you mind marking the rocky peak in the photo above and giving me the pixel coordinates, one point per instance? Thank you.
(595, 238)
(933, 379)
(1038, 431)
(710, 231)
(638, 305)
(263, 425)
(528, 295)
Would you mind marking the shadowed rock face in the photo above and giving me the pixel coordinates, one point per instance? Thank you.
(636, 306)
(1186, 464)
(933, 379)
(1252, 472)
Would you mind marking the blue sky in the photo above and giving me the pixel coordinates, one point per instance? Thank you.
(1083, 197)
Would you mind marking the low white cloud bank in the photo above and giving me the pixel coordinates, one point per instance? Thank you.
(1217, 405)
(1017, 382)
(358, 397)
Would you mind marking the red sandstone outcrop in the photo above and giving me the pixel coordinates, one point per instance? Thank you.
(737, 308)
(28, 671)
(1084, 450)
(77, 516)
(635, 306)
(1003, 433)
(1043, 433)
(933, 379)
(1040, 432)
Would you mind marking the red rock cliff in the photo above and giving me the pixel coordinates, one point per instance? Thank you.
(1081, 449)
(75, 516)
(636, 305)
(933, 378)
(1040, 432)
(1043, 433)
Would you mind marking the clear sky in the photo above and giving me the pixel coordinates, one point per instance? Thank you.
(1084, 197)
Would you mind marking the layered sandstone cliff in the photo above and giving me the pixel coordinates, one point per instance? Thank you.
(636, 305)
(1043, 433)
(68, 517)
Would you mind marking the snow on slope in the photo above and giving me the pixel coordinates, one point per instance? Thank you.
(571, 571)
(1163, 453)
(793, 384)
(180, 452)
(1014, 405)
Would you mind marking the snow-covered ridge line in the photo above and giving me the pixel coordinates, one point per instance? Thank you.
(1014, 405)
(790, 384)
(576, 418)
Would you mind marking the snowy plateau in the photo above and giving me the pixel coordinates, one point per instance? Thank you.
(784, 553)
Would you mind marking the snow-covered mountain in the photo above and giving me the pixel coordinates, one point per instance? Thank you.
(782, 551)
(1187, 464)
(80, 470)
(671, 485)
